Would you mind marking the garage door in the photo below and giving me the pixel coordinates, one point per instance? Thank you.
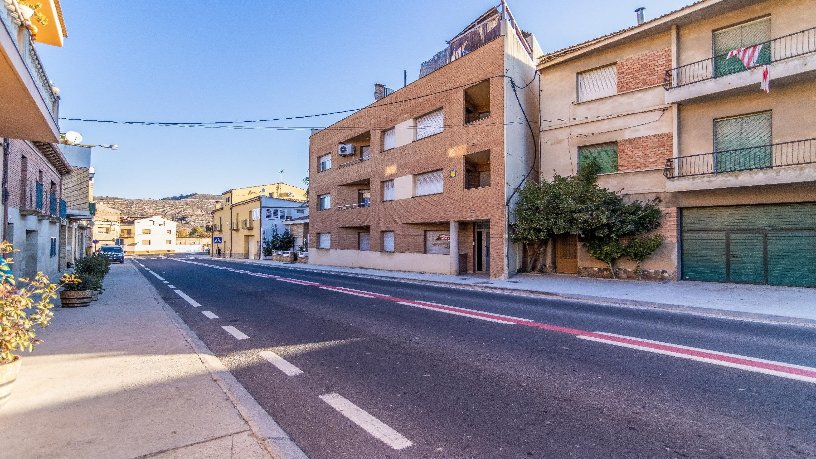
(768, 244)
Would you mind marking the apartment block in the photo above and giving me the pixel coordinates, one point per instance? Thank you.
(669, 115)
(150, 235)
(244, 226)
(421, 179)
(107, 228)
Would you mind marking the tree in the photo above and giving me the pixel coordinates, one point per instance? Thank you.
(182, 232)
(609, 227)
(198, 231)
(278, 241)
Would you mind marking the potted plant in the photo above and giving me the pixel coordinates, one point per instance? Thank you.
(79, 293)
(92, 271)
(24, 305)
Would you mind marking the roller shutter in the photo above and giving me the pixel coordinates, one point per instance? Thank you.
(764, 244)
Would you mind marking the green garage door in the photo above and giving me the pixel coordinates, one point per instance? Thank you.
(767, 244)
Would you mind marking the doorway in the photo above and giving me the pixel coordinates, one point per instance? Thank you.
(481, 247)
(566, 254)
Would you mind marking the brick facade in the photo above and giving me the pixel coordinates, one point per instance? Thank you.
(38, 169)
(644, 153)
(644, 70)
(410, 218)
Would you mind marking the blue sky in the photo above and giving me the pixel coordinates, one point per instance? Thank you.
(208, 60)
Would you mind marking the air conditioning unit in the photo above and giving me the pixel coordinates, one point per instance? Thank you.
(345, 149)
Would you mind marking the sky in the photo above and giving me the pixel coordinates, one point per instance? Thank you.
(235, 60)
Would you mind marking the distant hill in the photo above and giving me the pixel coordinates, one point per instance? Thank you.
(188, 211)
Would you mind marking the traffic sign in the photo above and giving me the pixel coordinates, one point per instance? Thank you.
(218, 240)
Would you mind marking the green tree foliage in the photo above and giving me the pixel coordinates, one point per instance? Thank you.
(278, 241)
(609, 227)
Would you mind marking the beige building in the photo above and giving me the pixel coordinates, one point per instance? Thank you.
(77, 206)
(107, 226)
(150, 235)
(668, 114)
(421, 179)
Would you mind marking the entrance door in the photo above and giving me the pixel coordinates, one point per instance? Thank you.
(566, 254)
(30, 255)
(481, 247)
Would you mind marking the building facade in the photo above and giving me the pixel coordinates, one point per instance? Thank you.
(107, 228)
(669, 115)
(32, 166)
(422, 179)
(150, 235)
(244, 226)
(76, 234)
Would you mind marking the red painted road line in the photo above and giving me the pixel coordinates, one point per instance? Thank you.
(664, 347)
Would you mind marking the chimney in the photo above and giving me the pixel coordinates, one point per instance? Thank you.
(379, 91)
(639, 13)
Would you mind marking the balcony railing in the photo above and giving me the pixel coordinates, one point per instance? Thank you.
(25, 48)
(785, 47)
(798, 152)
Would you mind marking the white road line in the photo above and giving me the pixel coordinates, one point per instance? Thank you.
(157, 276)
(237, 334)
(209, 314)
(280, 363)
(457, 313)
(171, 286)
(193, 302)
(166, 282)
(367, 422)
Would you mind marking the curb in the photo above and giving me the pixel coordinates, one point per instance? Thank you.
(269, 434)
(711, 313)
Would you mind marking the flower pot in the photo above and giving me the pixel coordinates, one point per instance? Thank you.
(75, 298)
(8, 374)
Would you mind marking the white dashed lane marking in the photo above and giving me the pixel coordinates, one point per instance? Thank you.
(237, 334)
(193, 302)
(209, 314)
(281, 363)
(367, 422)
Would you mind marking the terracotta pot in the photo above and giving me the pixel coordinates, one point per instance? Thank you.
(8, 374)
(74, 299)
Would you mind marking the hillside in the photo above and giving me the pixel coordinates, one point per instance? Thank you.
(187, 210)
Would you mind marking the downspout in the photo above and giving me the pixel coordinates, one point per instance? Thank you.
(6, 153)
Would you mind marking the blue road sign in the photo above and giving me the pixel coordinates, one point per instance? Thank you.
(218, 240)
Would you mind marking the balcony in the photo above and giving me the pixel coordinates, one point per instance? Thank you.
(30, 104)
(786, 162)
(788, 56)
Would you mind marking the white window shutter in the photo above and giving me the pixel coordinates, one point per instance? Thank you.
(388, 241)
(594, 84)
(428, 183)
(389, 193)
(430, 124)
(389, 139)
(324, 240)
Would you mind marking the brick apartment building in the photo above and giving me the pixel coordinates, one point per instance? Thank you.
(420, 179)
(668, 115)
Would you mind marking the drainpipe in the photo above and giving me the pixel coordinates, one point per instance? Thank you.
(6, 153)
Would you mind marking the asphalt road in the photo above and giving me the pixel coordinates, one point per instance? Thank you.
(393, 369)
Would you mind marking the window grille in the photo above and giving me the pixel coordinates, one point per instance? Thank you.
(389, 139)
(323, 240)
(430, 124)
(389, 193)
(428, 183)
(597, 83)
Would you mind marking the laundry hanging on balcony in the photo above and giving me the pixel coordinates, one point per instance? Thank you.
(749, 57)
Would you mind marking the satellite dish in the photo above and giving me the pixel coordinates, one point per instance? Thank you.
(73, 137)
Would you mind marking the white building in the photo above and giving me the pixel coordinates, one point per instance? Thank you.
(149, 235)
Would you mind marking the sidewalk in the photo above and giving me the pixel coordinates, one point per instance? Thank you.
(749, 302)
(126, 378)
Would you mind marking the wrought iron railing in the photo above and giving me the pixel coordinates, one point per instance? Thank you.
(798, 152)
(785, 47)
(25, 48)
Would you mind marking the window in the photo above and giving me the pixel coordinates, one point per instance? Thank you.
(388, 241)
(363, 241)
(741, 36)
(365, 152)
(605, 155)
(388, 190)
(364, 198)
(145, 241)
(477, 102)
(255, 214)
(323, 240)
(53, 251)
(169, 231)
(389, 139)
(430, 124)
(324, 202)
(169, 242)
(437, 242)
(324, 162)
(428, 183)
(477, 169)
(597, 83)
(743, 142)
(146, 231)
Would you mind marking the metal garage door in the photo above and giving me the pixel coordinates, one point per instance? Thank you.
(767, 244)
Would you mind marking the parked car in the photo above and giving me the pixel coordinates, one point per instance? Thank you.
(114, 253)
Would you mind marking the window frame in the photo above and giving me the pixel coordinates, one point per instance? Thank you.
(385, 132)
(321, 162)
(393, 241)
(320, 204)
(428, 114)
(442, 181)
(393, 190)
(598, 145)
(613, 65)
(319, 238)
